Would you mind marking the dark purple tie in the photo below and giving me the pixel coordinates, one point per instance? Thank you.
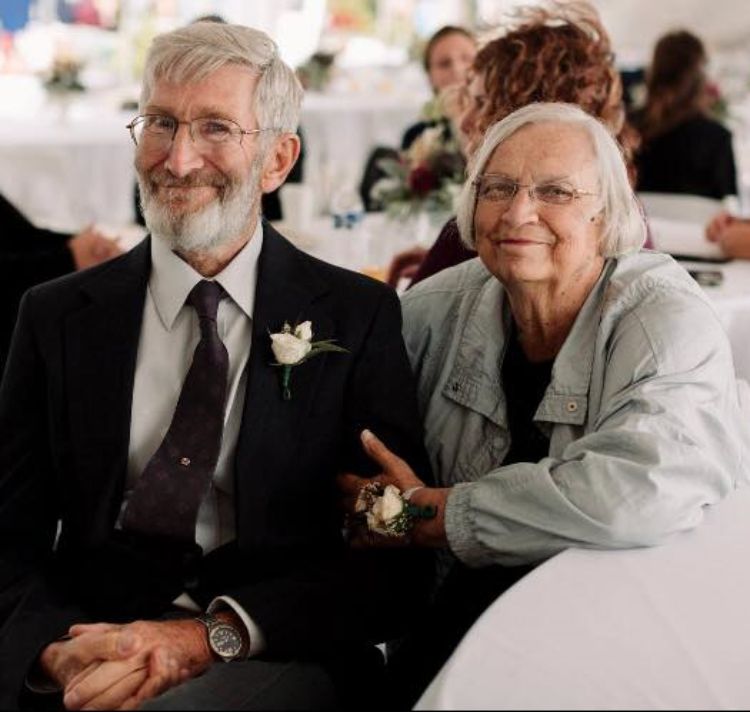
(167, 496)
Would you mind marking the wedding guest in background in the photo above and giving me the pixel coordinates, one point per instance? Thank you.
(575, 391)
(684, 149)
(172, 524)
(558, 52)
(447, 58)
(30, 255)
(731, 233)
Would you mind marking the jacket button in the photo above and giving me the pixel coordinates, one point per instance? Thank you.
(572, 406)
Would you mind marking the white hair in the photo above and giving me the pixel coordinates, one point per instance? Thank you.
(623, 224)
(192, 53)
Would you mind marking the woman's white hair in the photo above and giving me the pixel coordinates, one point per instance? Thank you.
(623, 224)
(191, 53)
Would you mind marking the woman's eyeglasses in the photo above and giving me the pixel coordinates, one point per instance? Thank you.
(498, 189)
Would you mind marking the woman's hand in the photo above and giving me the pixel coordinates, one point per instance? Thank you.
(405, 265)
(397, 472)
(717, 225)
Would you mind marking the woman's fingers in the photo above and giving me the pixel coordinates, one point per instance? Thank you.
(377, 450)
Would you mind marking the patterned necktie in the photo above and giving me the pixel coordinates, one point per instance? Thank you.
(167, 496)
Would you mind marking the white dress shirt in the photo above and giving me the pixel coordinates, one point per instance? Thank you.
(169, 335)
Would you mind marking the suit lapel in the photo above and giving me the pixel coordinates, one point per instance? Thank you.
(101, 345)
(287, 291)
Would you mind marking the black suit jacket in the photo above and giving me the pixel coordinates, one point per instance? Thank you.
(65, 408)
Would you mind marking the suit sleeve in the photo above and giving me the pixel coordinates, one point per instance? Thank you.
(348, 597)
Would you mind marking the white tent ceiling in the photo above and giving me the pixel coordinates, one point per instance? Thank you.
(636, 24)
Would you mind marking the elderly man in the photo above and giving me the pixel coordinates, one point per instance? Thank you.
(167, 477)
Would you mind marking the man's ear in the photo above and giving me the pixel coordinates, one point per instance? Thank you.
(280, 160)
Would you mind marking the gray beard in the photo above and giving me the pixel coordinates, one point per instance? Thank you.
(217, 224)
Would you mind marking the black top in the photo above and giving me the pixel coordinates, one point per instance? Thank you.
(524, 383)
(28, 255)
(695, 158)
(416, 130)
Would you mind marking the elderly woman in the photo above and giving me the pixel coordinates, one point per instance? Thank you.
(575, 391)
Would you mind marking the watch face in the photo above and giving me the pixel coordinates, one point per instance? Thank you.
(225, 640)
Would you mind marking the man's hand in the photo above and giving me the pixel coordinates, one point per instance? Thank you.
(63, 660)
(426, 532)
(90, 247)
(119, 667)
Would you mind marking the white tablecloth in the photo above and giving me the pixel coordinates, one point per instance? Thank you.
(732, 302)
(661, 628)
(67, 172)
(65, 166)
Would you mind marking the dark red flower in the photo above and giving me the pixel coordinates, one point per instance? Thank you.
(422, 180)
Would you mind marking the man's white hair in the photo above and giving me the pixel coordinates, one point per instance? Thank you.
(623, 224)
(191, 53)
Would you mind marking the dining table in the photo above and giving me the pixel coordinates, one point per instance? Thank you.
(66, 160)
(659, 628)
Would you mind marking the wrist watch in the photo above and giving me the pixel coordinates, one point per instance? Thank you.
(224, 638)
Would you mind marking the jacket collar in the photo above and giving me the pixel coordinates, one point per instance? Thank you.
(475, 378)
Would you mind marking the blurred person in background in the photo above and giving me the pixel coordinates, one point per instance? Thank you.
(30, 255)
(447, 58)
(684, 149)
(731, 233)
(558, 52)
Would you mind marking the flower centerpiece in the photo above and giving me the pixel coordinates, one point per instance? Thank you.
(425, 177)
(64, 77)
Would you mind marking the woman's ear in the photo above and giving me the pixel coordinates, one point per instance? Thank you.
(280, 159)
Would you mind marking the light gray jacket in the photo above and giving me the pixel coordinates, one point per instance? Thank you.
(642, 412)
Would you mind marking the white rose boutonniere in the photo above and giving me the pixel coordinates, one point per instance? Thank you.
(292, 346)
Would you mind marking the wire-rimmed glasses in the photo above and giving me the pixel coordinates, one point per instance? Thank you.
(493, 188)
(159, 130)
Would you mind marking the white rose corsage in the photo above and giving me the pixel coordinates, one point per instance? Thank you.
(386, 510)
(292, 346)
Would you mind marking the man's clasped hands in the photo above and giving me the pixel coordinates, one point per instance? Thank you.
(107, 666)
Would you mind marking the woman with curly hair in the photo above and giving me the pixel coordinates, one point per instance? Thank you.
(684, 149)
(559, 52)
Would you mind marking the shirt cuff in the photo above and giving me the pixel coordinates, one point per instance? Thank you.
(460, 530)
(254, 633)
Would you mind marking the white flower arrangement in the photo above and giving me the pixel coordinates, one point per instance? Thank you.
(427, 176)
(292, 346)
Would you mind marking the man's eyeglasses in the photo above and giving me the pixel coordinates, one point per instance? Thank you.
(498, 189)
(159, 130)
